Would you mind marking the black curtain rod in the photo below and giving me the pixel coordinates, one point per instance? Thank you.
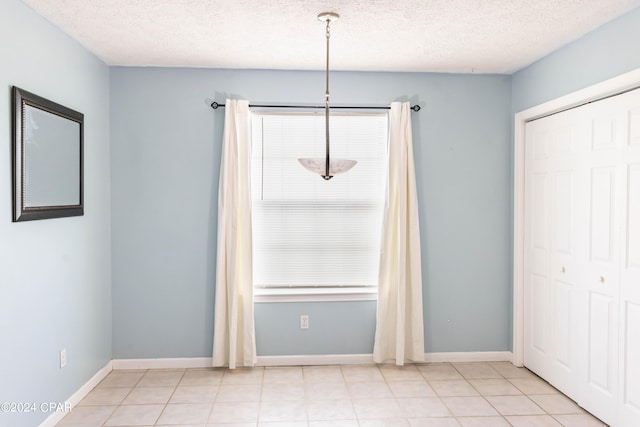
(415, 108)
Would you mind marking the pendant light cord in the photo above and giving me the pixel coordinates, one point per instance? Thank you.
(315, 165)
(326, 107)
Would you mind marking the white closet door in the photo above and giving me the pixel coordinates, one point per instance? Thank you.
(582, 255)
(537, 340)
(600, 277)
(629, 361)
(554, 148)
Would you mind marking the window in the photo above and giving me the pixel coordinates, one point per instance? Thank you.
(313, 236)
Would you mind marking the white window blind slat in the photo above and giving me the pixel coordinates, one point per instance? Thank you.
(309, 232)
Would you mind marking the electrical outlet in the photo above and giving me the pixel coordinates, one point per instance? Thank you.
(63, 358)
(304, 321)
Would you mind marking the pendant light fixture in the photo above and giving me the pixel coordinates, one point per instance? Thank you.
(327, 167)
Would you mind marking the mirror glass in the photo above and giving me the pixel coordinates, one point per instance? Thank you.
(51, 159)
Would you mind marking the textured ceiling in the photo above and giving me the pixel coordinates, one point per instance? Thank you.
(461, 36)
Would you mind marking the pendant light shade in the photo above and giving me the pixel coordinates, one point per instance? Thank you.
(319, 166)
(327, 167)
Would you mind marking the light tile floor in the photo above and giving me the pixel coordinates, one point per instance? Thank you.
(427, 395)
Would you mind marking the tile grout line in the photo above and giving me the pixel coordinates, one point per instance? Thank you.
(169, 399)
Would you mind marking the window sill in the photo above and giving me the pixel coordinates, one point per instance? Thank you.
(314, 294)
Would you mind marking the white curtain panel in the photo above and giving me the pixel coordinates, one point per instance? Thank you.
(399, 326)
(234, 343)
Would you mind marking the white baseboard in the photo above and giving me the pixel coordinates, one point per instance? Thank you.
(307, 360)
(205, 362)
(322, 359)
(76, 397)
(165, 363)
(367, 359)
(472, 356)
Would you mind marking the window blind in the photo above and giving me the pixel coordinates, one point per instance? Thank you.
(309, 232)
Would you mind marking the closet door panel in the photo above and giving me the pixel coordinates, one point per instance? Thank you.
(601, 231)
(562, 324)
(538, 193)
(632, 240)
(604, 137)
(551, 272)
(564, 271)
(630, 272)
(600, 357)
(540, 315)
(634, 126)
(600, 277)
(563, 213)
(538, 338)
(540, 187)
(630, 366)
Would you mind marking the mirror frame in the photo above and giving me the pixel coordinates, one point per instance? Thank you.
(21, 212)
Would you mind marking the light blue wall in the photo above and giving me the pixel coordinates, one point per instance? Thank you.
(55, 274)
(165, 165)
(604, 53)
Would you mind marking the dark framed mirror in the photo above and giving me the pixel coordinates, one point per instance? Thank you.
(48, 165)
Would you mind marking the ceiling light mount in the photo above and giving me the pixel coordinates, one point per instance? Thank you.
(327, 167)
(328, 16)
